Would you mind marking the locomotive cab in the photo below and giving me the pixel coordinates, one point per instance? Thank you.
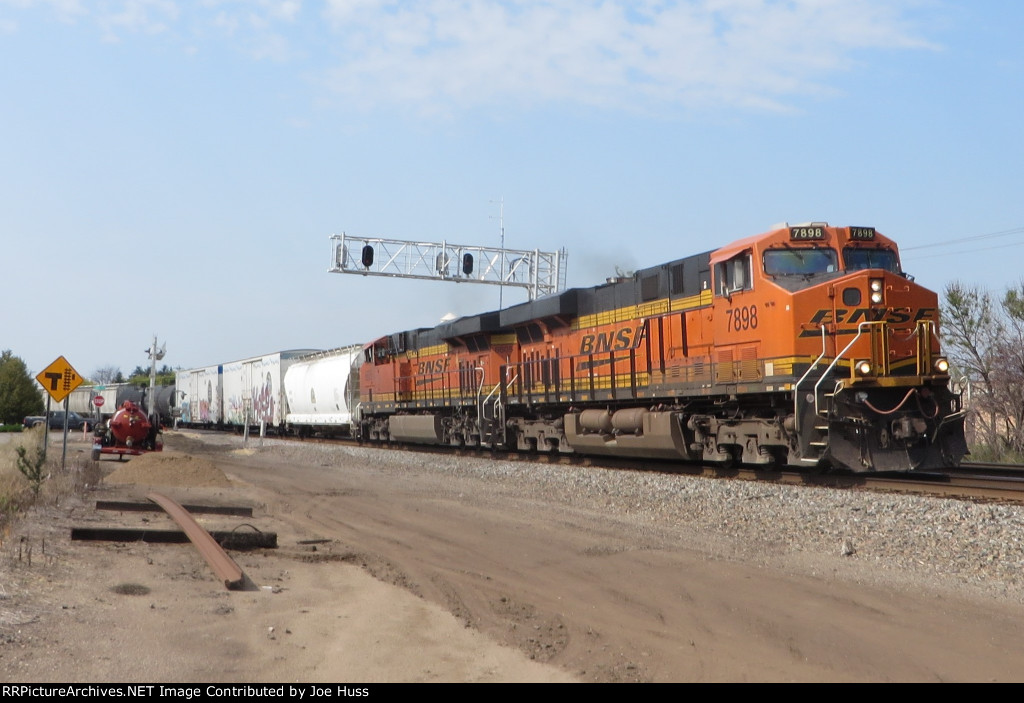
(856, 341)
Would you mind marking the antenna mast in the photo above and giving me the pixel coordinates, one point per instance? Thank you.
(501, 225)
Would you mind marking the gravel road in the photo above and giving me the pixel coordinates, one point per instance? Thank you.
(555, 572)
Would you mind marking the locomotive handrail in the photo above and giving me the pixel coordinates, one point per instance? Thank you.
(840, 355)
(498, 412)
(499, 409)
(488, 398)
(508, 386)
(480, 390)
(824, 375)
(497, 386)
(796, 388)
(964, 384)
(479, 401)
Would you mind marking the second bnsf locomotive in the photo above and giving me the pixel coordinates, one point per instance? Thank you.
(806, 345)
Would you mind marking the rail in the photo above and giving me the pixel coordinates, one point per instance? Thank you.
(224, 566)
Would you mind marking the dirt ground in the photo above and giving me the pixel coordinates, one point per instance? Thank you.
(407, 576)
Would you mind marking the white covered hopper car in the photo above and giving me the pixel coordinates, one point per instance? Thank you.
(323, 391)
(302, 391)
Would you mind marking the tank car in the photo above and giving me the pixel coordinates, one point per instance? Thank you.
(81, 399)
(806, 345)
(128, 431)
(165, 402)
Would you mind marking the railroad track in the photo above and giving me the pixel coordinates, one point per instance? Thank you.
(989, 469)
(970, 481)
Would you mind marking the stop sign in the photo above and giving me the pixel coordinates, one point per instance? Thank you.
(97, 401)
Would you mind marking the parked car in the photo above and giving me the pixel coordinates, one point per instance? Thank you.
(56, 420)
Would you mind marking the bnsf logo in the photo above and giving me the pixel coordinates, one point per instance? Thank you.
(626, 338)
(843, 316)
(435, 366)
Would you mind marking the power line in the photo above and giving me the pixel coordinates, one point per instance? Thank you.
(962, 240)
(961, 251)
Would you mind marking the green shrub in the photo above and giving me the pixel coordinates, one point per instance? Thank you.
(986, 453)
(32, 467)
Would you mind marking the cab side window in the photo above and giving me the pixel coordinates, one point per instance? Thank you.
(733, 275)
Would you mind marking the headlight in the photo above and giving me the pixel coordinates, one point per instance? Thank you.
(863, 367)
(876, 286)
(941, 365)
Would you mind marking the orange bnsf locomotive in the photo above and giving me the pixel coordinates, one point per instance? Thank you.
(806, 345)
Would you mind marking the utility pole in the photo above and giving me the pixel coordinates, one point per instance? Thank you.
(155, 354)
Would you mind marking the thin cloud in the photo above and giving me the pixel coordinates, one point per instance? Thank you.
(138, 17)
(444, 56)
(62, 10)
(458, 54)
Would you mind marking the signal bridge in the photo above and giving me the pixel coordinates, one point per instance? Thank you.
(541, 273)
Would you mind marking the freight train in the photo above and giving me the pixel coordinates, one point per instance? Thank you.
(806, 345)
(320, 396)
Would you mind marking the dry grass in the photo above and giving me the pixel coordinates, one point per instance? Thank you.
(16, 492)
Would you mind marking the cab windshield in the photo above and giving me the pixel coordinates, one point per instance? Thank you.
(858, 258)
(792, 261)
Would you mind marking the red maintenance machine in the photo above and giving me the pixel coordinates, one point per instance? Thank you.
(129, 431)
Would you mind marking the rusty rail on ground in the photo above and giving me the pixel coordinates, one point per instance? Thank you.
(223, 565)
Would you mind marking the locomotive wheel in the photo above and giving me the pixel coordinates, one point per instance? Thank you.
(734, 459)
(820, 469)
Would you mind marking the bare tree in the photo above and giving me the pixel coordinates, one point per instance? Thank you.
(108, 374)
(1009, 368)
(985, 342)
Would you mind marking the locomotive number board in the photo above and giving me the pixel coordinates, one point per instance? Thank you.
(814, 232)
(806, 233)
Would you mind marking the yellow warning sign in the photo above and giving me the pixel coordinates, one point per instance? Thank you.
(59, 379)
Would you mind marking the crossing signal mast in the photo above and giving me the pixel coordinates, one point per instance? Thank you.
(541, 273)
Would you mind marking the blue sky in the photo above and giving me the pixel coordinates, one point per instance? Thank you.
(177, 168)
